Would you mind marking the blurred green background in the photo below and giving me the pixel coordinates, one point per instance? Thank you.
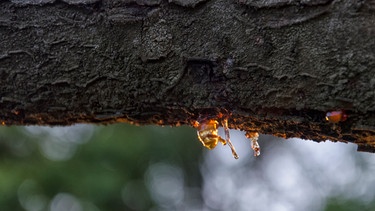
(124, 167)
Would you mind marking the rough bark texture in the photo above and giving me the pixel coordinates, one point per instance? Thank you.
(277, 66)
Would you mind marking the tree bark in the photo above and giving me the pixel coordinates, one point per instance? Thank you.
(275, 67)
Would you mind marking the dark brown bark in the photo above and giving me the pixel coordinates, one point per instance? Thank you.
(276, 66)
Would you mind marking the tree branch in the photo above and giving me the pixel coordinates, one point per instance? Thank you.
(276, 66)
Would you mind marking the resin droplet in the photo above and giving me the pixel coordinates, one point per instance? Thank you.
(336, 116)
(227, 137)
(253, 136)
(208, 134)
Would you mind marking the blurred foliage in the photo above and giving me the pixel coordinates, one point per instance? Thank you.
(340, 204)
(99, 170)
